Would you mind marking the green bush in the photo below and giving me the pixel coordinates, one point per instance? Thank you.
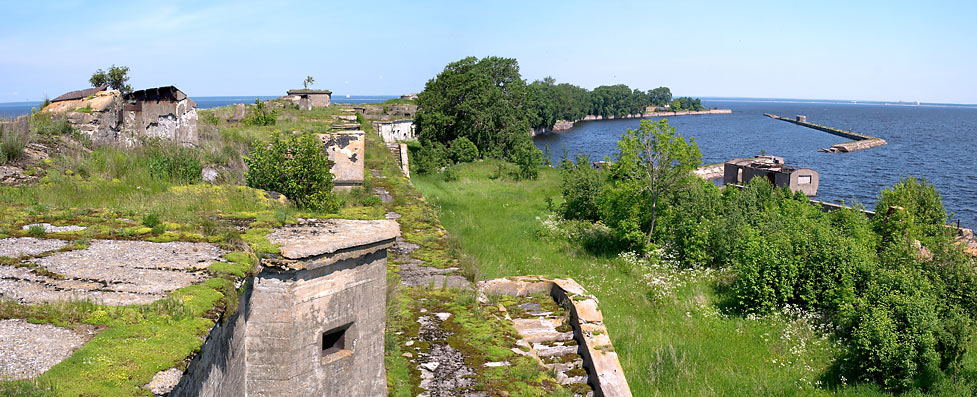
(463, 150)
(151, 220)
(582, 185)
(260, 115)
(296, 166)
(529, 159)
(429, 158)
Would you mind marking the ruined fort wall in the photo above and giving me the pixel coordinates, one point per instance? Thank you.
(219, 368)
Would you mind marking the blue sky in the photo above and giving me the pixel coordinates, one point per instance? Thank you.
(889, 50)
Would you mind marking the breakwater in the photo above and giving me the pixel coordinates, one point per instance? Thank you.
(858, 141)
(564, 125)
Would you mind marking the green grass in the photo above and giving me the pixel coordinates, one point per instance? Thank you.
(665, 323)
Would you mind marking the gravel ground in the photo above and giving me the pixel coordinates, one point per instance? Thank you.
(27, 350)
(49, 228)
(18, 246)
(111, 272)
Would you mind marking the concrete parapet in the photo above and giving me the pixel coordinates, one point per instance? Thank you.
(310, 322)
(601, 361)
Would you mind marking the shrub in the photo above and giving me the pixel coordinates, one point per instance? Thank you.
(296, 166)
(36, 231)
(260, 115)
(463, 150)
(922, 204)
(582, 185)
(429, 158)
(529, 159)
(151, 220)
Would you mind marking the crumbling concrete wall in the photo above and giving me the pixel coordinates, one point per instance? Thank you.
(220, 368)
(169, 120)
(330, 278)
(347, 150)
(395, 131)
(97, 116)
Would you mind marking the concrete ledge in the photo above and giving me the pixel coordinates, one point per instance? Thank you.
(313, 237)
(600, 359)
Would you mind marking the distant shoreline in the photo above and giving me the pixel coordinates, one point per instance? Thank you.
(563, 125)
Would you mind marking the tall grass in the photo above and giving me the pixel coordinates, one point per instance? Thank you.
(13, 140)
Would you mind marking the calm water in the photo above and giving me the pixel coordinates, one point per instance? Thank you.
(939, 143)
(14, 109)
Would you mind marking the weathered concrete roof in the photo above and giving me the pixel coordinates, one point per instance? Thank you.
(311, 238)
(309, 92)
(167, 93)
(80, 93)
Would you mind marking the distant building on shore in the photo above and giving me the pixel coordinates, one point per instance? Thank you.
(409, 97)
(773, 169)
(308, 99)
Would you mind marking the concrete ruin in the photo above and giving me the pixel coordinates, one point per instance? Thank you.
(346, 149)
(396, 130)
(307, 99)
(108, 118)
(311, 321)
(604, 371)
(165, 113)
(95, 112)
(773, 169)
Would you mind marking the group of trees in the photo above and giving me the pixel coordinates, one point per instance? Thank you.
(550, 102)
(483, 101)
(900, 294)
(487, 102)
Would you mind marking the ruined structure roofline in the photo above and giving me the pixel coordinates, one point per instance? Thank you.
(166, 92)
(79, 94)
(307, 91)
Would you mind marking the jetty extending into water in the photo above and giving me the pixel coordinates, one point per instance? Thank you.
(858, 141)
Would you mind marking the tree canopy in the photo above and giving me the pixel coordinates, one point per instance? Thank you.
(116, 77)
(483, 100)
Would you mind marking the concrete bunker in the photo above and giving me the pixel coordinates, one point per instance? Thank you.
(773, 169)
(162, 112)
(310, 322)
(307, 99)
(108, 118)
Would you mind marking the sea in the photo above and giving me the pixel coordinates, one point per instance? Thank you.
(14, 109)
(934, 141)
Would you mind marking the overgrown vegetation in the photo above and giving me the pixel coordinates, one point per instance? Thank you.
(260, 115)
(12, 143)
(675, 315)
(898, 294)
(296, 166)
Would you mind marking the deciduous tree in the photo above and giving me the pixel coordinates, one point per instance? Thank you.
(655, 158)
(116, 77)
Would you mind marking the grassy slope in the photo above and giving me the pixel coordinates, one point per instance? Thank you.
(677, 345)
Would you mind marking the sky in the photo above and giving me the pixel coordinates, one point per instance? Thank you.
(855, 50)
